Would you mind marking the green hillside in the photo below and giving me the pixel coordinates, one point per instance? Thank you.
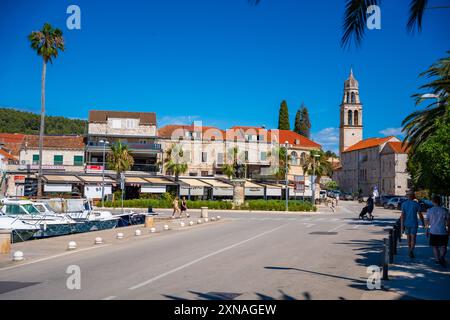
(14, 121)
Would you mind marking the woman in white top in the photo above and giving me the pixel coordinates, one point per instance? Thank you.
(438, 228)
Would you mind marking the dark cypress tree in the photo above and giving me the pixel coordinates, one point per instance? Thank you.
(298, 121)
(305, 124)
(283, 117)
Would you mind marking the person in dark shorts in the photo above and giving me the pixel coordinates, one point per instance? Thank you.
(184, 207)
(409, 221)
(438, 228)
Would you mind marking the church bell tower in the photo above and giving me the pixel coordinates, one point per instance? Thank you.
(351, 120)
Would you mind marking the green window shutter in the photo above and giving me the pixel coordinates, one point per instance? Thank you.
(35, 159)
(77, 160)
(57, 160)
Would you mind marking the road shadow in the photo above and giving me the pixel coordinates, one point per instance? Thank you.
(8, 286)
(233, 295)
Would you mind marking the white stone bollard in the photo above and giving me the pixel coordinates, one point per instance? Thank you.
(18, 256)
(218, 217)
(98, 240)
(119, 235)
(137, 232)
(191, 223)
(206, 219)
(152, 230)
(199, 221)
(182, 224)
(72, 245)
(166, 227)
(213, 219)
(204, 212)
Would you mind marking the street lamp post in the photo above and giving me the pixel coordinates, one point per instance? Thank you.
(104, 142)
(286, 144)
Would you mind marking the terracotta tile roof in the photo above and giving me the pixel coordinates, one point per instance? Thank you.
(100, 116)
(369, 143)
(7, 155)
(397, 147)
(12, 142)
(294, 139)
(55, 142)
(180, 130)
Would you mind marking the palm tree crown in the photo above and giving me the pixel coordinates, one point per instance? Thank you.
(47, 42)
(421, 124)
(174, 162)
(120, 159)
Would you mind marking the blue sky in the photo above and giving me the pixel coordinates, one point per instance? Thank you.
(220, 61)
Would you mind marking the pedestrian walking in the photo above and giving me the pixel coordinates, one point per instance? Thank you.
(176, 208)
(184, 207)
(370, 206)
(438, 229)
(409, 221)
(331, 204)
(337, 199)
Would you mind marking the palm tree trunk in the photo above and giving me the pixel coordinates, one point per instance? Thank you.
(42, 128)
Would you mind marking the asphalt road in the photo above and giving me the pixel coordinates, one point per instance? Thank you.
(246, 256)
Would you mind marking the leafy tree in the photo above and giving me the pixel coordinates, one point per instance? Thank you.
(331, 185)
(120, 159)
(420, 125)
(429, 163)
(174, 161)
(15, 121)
(302, 122)
(280, 171)
(47, 43)
(283, 117)
(317, 165)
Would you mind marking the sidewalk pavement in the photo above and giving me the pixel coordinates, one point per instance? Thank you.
(418, 278)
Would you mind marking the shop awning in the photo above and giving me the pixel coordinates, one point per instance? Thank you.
(217, 183)
(135, 180)
(96, 179)
(194, 183)
(249, 184)
(61, 179)
(159, 181)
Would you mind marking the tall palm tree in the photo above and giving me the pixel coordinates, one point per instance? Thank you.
(120, 159)
(174, 161)
(355, 18)
(47, 43)
(318, 166)
(421, 124)
(280, 171)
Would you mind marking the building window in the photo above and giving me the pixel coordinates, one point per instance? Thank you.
(302, 158)
(57, 160)
(350, 118)
(246, 155)
(131, 123)
(116, 124)
(220, 158)
(263, 156)
(77, 160)
(353, 97)
(35, 159)
(355, 116)
(204, 156)
(294, 158)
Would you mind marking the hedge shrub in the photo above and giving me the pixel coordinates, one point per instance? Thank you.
(263, 205)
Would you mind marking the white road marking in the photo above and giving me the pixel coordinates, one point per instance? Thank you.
(334, 219)
(201, 259)
(308, 225)
(110, 298)
(55, 256)
(320, 219)
(356, 226)
(336, 228)
(305, 219)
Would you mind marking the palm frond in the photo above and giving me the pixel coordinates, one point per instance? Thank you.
(416, 10)
(355, 19)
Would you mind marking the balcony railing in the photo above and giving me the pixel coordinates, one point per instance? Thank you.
(131, 146)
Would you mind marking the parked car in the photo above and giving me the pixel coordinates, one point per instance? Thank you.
(381, 200)
(393, 202)
(347, 196)
(334, 193)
